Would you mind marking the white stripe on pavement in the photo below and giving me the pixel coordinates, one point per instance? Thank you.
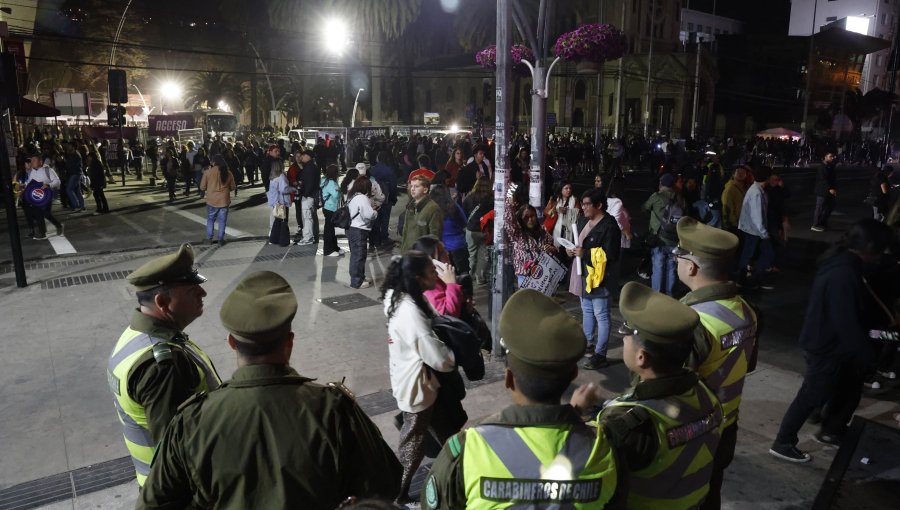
(61, 245)
(233, 232)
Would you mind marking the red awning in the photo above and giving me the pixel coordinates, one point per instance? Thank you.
(29, 108)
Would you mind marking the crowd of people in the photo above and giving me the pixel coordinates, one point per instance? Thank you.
(717, 226)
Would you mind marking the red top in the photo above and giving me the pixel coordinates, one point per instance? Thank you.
(446, 299)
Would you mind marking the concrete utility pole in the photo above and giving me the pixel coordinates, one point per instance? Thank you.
(696, 90)
(7, 153)
(619, 82)
(649, 68)
(809, 66)
(501, 286)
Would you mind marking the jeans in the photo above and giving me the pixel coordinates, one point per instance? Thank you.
(478, 256)
(663, 277)
(712, 216)
(73, 191)
(329, 239)
(358, 251)
(309, 205)
(211, 214)
(381, 222)
(836, 380)
(198, 176)
(766, 255)
(824, 206)
(595, 316)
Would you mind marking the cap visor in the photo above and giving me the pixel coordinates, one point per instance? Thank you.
(678, 250)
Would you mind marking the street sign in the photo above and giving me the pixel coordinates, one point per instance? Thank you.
(551, 118)
(169, 125)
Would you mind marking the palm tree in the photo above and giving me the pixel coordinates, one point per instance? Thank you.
(208, 88)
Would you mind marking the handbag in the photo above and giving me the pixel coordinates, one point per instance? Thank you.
(279, 212)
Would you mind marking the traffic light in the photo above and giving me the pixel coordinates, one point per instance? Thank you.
(115, 115)
(118, 86)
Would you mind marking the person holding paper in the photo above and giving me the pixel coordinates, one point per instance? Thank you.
(599, 240)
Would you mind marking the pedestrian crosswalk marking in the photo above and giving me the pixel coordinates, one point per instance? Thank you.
(61, 245)
(196, 218)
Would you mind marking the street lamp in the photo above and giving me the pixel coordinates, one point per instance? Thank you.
(355, 104)
(335, 35)
(37, 93)
(169, 90)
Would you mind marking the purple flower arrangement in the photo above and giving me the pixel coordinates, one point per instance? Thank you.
(488, 57)
(595, 42)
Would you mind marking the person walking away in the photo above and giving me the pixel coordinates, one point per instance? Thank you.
(733, 199)
(477, 204)
(726, 341)
(826, 192)
(155, 367)
(667, 428)
(753, 225)
(880, 193)
(414, 353)
(217, 183)
(422, 215)
(331, 197)
(597, 248)
(525, 442)
(98, 181)
(384, 174)
(309, 192)
(453, 231)
(834, 339)
(710, 205)
(362, 217)
(41, 173)
(74, 176)
(666, 207)
(216, 439)
(169, 163)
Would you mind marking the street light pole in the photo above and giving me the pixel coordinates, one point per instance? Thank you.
(355, 104)
(649, 68)
(37, 89)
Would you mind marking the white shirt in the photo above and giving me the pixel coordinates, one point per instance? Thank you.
(361, 212)
(45, 175)
(411, 346)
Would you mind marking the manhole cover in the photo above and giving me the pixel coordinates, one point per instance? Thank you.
(348, 302)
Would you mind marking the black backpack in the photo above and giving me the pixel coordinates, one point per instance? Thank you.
(670, 216)
(342, 218)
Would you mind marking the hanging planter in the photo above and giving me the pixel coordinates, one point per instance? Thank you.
(595, 43)
(487, 58)
(587, 67)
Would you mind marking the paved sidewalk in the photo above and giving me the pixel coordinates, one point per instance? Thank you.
(58, 431)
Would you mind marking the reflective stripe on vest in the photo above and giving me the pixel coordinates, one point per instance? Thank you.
(509, 467)
(734, 335)
(132, 345)
(688, 430)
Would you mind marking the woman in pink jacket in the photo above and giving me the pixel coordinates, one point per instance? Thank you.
(447, 295)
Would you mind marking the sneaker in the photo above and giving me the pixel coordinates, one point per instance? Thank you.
(595, 362)
(789, 453)
(873, 384)
(766, 286)
(827, 439)
(817, 229)
(887, 374)
(369, 279)
(364, 285)
(40, 237)
(334, 254)
(302, 242)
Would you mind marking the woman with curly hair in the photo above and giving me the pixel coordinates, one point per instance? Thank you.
(415, 352)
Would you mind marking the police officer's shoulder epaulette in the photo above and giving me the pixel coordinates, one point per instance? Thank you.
(193, 399)
(162, 352)
(340, 387)
(622, 424)
(454, 444)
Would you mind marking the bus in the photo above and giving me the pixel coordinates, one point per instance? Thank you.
(215, 122)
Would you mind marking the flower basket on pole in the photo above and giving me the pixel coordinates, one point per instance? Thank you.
(590, 45)
(487, 58)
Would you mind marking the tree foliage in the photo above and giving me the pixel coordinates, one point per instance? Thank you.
(207, 88)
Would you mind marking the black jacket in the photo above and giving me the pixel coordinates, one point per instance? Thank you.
(465, 179)
(310, 177)
(606, 235)
(825, 179)
(836, 321)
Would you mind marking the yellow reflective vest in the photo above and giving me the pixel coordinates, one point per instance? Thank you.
(731, 324)
(570, 466)
(688, 427)
(132, 345)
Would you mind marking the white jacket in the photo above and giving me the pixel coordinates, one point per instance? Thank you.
(411, 345)
(361, 212)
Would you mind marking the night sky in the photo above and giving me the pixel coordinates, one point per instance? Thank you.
(759, 16)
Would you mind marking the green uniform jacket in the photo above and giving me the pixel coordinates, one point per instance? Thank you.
(422, 218)
(656, 206)
(161, 386)
(701, 348)
(271, 439)
(637, 441)
(446, 477)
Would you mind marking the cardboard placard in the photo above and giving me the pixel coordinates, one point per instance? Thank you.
(547, 274)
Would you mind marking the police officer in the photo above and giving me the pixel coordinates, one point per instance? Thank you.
(536, 451)
(725, 342)
(268, 438)
(154, 367)
(667, 429)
